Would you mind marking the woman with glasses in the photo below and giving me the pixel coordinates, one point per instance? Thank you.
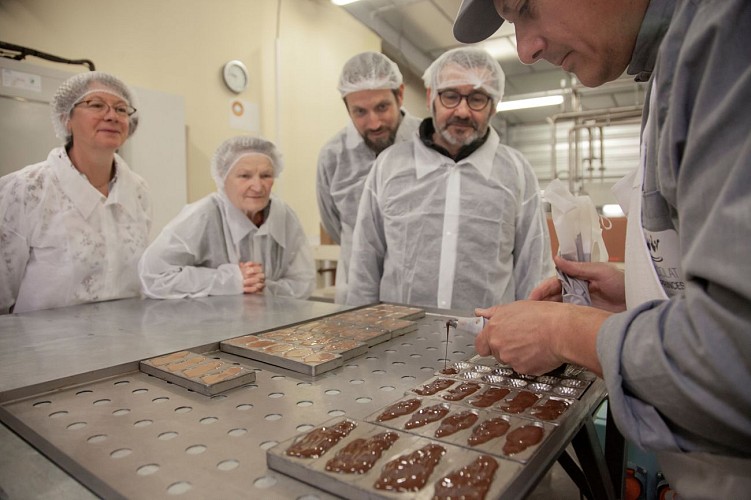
(240, 239)
(73, 227)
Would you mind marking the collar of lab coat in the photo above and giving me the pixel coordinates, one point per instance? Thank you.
(84, 196)
(240, 226)
(428, 160)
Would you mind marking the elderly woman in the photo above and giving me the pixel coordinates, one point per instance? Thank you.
(73, 227)
(240, 239)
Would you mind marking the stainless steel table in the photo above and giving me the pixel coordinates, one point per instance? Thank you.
(68, 371)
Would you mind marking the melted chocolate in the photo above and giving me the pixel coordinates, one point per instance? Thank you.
(490, 396)
(471, 482)
(359, 455)
(426, 415)
(462, 391)
(320, 440)
(446, 356)
(399, 409)
(522, 438)
(433, 387)
(520, 402)
(455, 423)
(487, 430)
(410, 472)
(449, 371)
(552, 409)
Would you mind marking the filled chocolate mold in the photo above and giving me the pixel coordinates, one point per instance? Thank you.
(457, 424)
(373, 462)
(321, 345)
(206, 374)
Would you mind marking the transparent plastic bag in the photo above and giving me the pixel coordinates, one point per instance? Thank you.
(577, 226)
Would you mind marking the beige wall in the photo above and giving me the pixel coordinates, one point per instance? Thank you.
(180, 46)
(414, 94)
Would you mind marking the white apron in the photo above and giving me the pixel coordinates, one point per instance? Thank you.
(695, 474)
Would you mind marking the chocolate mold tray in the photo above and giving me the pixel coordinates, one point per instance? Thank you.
(318, 346)
(568, 370)
(206, 374)
(558, 384)
(525, 401)
(293, 357)
(362, 486)
(494, 446)
(373, 330)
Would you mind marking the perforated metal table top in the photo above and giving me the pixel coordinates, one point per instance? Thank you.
(123, 433)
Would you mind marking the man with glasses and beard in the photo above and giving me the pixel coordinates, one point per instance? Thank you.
(453, 218)
(372, 90)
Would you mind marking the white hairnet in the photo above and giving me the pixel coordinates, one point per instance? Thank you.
(235, 148)
(369, 71)
(72, 90)
(466, 66)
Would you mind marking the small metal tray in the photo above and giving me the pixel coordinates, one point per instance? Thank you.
(206, 374)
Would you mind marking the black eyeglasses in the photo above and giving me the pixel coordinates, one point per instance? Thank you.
(477, 101)
(101, 108)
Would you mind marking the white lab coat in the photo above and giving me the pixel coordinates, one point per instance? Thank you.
(454, 235)
(198, 252)
(343, 165)
(62, 242)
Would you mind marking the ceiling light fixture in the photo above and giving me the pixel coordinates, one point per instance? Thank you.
(534, 102)
(343, 2)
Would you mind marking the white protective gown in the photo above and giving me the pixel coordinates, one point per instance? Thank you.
(198, 252)
(437, 233)
(62, 242)
(343, 165)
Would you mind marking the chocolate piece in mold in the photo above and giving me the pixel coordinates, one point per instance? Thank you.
(183, 365)
(411, 471)
(456, 422)
(320, 440)
(520, 402)
(470, 482)
(522, 438)
(491, 396)
(426, 415)
(487, 430)
(169, 358)
(399, 409)
(202, 369)
(461, 391)
(359, 455)
(550, 410)
(433, 387)
(230, 372)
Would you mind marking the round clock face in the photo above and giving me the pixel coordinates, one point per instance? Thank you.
(235, 76)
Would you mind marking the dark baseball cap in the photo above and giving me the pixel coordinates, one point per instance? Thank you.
(476, 21)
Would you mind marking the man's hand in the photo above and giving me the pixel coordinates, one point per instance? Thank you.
(536, 337)
(606, 284)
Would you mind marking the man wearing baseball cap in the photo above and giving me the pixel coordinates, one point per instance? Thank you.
(670, 336)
